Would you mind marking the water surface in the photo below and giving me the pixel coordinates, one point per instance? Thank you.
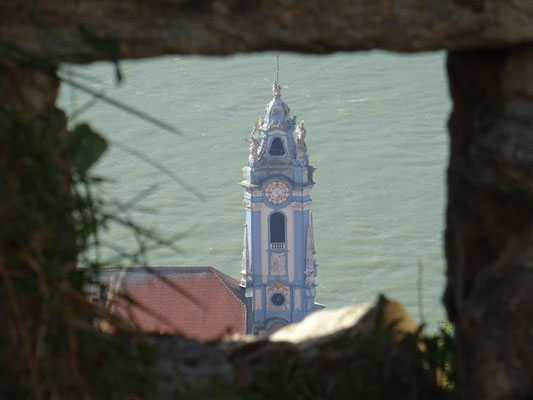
(375, 132)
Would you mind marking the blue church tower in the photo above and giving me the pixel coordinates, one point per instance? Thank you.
(278, 261)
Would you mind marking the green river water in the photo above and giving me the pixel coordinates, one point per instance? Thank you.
(375, 132)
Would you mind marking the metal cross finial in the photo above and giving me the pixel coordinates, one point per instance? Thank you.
(277, 67)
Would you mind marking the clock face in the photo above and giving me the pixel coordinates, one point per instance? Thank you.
(277, 192)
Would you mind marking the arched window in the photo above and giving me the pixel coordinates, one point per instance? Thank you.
(276, 148)
(277, 228)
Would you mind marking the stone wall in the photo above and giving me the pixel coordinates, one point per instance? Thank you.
(489, 244)
(489, 234)
(54, 28)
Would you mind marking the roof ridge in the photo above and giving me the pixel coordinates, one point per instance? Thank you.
(155, 266)
(163, 269)
(227, 314)
(216, 273)
(225, 275)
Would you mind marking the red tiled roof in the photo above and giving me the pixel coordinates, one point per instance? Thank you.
(198, 302)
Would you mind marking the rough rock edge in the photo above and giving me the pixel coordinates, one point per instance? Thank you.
(214, 27)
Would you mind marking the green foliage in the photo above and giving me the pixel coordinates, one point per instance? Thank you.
(54, 342)
(442, 350)
(84, 147)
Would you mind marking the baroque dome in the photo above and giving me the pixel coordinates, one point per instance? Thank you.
(277, 113)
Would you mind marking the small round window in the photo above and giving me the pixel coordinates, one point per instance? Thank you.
(278, 299)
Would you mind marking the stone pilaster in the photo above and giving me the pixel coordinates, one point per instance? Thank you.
(489, 234)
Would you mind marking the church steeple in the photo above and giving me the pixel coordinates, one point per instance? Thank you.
(278, 250)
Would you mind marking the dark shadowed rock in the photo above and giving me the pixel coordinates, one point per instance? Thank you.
(73, 31)
(375, 352)
(489, 236)
(489, 231)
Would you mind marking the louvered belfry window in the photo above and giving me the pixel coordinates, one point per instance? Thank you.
(276, 148)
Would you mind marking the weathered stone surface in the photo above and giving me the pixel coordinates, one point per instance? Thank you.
(358, 319)
(363, 359)
(321, 323)
(35, 175)
(489, 237)
(51, 29)
(183, 366)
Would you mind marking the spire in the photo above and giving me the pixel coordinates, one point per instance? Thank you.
(245, 271)
(277, 113)
(276, 89)
(277, 67)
